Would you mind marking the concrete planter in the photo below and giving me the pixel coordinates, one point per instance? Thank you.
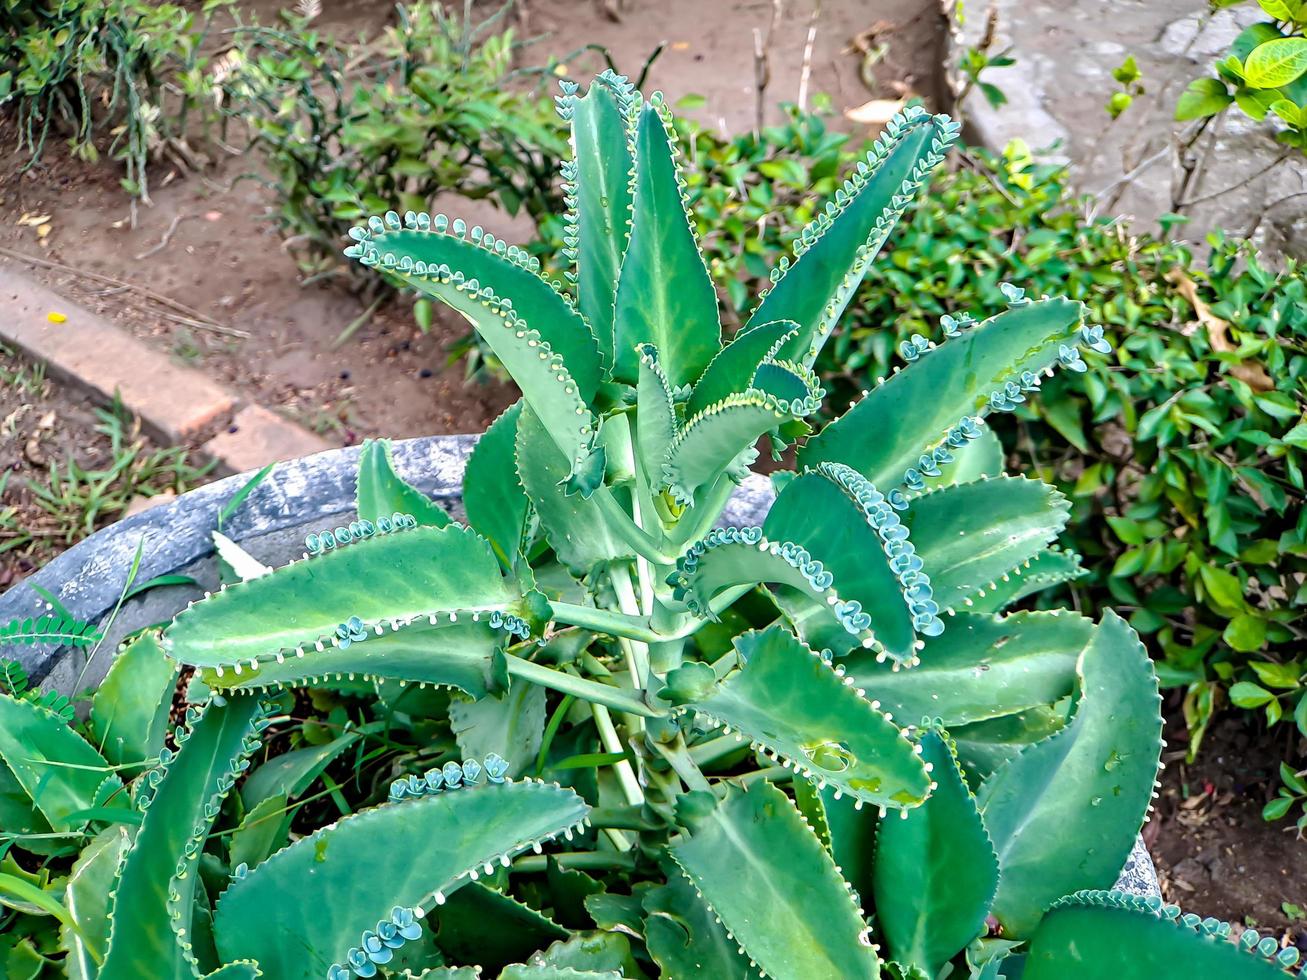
(298, 496)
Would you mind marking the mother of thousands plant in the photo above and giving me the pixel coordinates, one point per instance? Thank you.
(822, 746)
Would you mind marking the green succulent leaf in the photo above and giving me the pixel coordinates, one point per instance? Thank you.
(971, 535)
(916, 411)
(984, 747)
(730, 558)
(686, 939)
(936, 871)
(556, 390)
(382, 492)
(600, 183)
(464, 654)
(511, 724)
(388, 578)
(846, 524)
(129, 711)
(236, 971)
(656, 422)
(792, 703)
(980, 459)
(835, 250)
(665, 296)
(87, 898)
(730, 371)
(981, 667)
(572, 524)
(775, 888)
(1125, 937)
(61, 774)
(721, 438)
(428, 250)
(546, 971)
(497, 506)
(150, 929)
(1064, 813)
(291, 773)
(1049, 568)
(479, 924)
(414, 852)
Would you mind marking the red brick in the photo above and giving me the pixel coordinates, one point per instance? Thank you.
(261, 437)
(175, 404)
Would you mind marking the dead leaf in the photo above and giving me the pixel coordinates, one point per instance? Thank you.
(1252, 375)
(876, 112)
(29, 220)
(32, 448)
(138, 504)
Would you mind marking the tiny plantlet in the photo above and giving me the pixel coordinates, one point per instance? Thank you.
(818, 744)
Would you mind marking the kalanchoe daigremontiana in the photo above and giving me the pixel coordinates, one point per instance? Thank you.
(822, 746)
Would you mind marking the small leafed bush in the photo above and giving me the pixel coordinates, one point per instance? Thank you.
(431, 105)
(818, 745)
(126, 73)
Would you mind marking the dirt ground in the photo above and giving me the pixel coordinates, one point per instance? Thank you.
(1214, 853)
(224, 259)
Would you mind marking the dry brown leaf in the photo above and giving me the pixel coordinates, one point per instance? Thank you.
(876, 112)
(1253, 375)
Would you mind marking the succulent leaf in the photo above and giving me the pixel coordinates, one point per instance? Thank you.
(1064, 813)
(970, 536)
(382, 492)
(686, 939)
(497, 506)
(1047, 569)
(936, 871)
(455, 651)
(546, 971)
(844, 522)
(979, 459)
(511, 724)
(984, 747)
(792, 704)
(482, 925)
(129, 711)
(721, 438)
(739, 360)
(414, 853)
(982, 667)
(423, 254)
(656, 421)
(730, 557)
(545, 375)
(600, 185)
(58, 769)
(775, 889)
(153, 902)
(664, 294)
(834, 251)
(1116, 936)
(86, 896)
(572, 525)
(917, 411)
(393, 578)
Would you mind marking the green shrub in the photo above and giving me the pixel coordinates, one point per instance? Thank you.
(82, 68)
(1264, 73)
(345, 130)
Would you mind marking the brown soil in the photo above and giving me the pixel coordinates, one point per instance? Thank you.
(1214, 853)
(45, 430)
(226, 260)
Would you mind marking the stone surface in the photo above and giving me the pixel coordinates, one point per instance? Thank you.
(257, 437)
(1065, 51)
(175, 404)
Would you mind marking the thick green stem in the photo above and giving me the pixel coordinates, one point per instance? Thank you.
(612, 742)
(620, 521)
(581, 860)
(621, 818)
(637, 651)
(600, 695)
(682, 764)
(631, 627)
